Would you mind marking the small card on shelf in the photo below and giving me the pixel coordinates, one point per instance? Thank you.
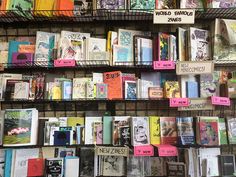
(223, 101)
(179, 102)
(167, 150)
(64, 63)
(144, 150)
(163, 65)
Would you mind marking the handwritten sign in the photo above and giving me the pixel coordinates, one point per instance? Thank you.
(1, 67)
(143, 151)
(179, 102)
(174, 16)
(113, 151)
(162, 65)
(224, 101)
(64, 63)
(193, 67)
(167, 150)
(198, 104)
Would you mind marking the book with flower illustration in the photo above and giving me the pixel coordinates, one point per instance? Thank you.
(168, 130)
(208, 131)
(20, 127)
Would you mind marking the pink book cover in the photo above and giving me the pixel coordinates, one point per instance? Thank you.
(21, 59)
(99, 135)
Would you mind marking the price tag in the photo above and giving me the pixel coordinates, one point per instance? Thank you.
(174, 16)
(179, 102)
(167, 150)
(224, 101)
(143, 150)
(64, 63)
(1, 67)
(162, 65)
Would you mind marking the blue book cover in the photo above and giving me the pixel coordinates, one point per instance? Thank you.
(192, 89)
(146, 50)
(107, 133)
(62, 138)
(67, 90)
(8, 160)
(13, 47)
(185, 130)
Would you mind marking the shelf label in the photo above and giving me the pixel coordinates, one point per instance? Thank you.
(1, 67)
(167, 150)
(113, 151)
(161, 65)
(174, 16)
(179, 102)
(143, 150)
(194, 67)
(223, 101)
(198, 104)
(64, 63)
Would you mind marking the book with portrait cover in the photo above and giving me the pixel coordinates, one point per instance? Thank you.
(113, 165)
(168, 130)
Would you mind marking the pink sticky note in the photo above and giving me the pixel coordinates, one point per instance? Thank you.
(64, 63)
(143, 150)
(179, 102)
(162, 65)
(167, 150)
(224, 101)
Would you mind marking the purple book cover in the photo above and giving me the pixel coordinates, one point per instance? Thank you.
(21, 59)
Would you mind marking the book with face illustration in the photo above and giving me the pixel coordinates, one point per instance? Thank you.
(168, 130)
(209, 85)
(140, 131)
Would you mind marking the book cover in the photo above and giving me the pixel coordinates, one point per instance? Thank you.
(140, 131)
(163, 46)
(154, 123)
(182, 44)
(75, 121)
(97, 77)
(134, 166)
(79, 134)
(106, 4)
(227, 164)
(94, 45)
(122, 55)
(49, 126)
(89, 131)
(192, 89)
(79, 88)
(86, 161)
(146, 48)
(162, 4)
(26, 48)
(10, 89)
(13, 47)
(83, 7)
(99, 134)
(62, 138)
(157, 166)
(171, 89)
(90, 90)
(42, 5)
(64, 8)
(107, 132)
(101, 91)
(66, 90)
(8, 162)
(185, 130)
(21, 90)
(195, 4)
(54, 167)
(142, 88)
(130, 90)
(125, 135)
(172, 48)
(208, 85)
(35, 167)
(231, 130)
(4, 57)
(22, 59)
(168, 130)
(113, 166)
(176, 169)
(222, 132)
(20, 127)
(71, 166)
(142, 5)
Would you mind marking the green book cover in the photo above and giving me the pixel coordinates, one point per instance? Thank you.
(107, 126)
(222, 131)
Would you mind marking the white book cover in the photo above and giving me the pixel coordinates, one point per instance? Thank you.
(94, 45)
(52, 130)
(90, 90)
(20, 162)
(140, 131)
(79, 88)
(63, 121)
(4, 46)
(21, 90)
(98, 77)
(142, 88)
(47, 130)
(172, 48)
(71, 167)
(4, 57)
(89, 121)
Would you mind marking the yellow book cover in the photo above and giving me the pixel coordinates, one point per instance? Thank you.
(109, 48)
(44, 8)
(171, 89)
(154, 123)
(75, 121)
(56, 91)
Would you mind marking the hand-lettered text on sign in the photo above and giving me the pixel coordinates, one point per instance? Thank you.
(179, 102)
(223, 101)
(167, 150)
(174, 16)
(163, 65)
(198, 104)
(143, 151)
(64, 63)
(113, 151)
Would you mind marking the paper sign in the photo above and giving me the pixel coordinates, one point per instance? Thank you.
(224, 101)
(64, 63)
(194, 67)
(174, 16)
(1, 67)
(162, 65)
(198, 104)
(143, 151)
(179, 102)
(167, 150)
(113, 151)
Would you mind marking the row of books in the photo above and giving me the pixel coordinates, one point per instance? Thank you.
(61, 161)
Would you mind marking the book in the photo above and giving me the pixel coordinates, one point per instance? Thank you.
(161, 4)
(106, 4)
(86, 161)
(54, 91)
(41, 6)
(99, 134)
(22, 59)
(75, 121)
(155, 93)
(8, 162)
(227, 165)
(231, 122)
(208, 85)
(64, 8)
(90, 90)
(140, 131)
(199, 44)
(97, 77)
(176, 169)
(122, 55)
(89, 131)
(101, 91)
(26, 48)
(171, 89)
(154, 123)
(113, 166)
(185, 128)
(183, 83)
(134, 166)
(83, 7)
(107, 130)
(195, 4)
(142, 5)
(146, 48)
(66, 90)
(54, 167)
(192, 89)
(130, 90)
(35, 167)
(182, 44)
(13, 47)
(112, 39)
(172, 48)
(222, 132)
(94, 45)
(79, 87)
(21, 127)
(21, 90)
(163, 46)
(2, 113)
(10, 89)
(157, 166)
(71, 166)
(142, 88)
(63, 137)
(50, 126)
(168, 130)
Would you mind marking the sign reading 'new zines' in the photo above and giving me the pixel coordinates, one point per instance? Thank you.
(174, 16)
(113, 151)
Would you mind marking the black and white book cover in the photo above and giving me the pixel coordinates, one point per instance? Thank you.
(87, 162)
(54, 167)
(227, 165)
(125, 135)
(157, 166)
(134, 166)
(113, 166)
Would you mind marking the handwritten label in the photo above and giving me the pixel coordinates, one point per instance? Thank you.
(143, 151)
(114, 151)
(179, 102)
(64, 63)
(162, 65)
(1, 67)
(198, 104)
(224, 101)
(174, 16)
(194, 67)
(167, 150)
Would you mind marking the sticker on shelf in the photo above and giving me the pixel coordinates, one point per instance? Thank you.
(143, 150)
(64, 63)
(163, 65)
(113, 151)
(1, 67)
(174, 16)
(167, 150)
(179, 102)
(198, 104)
(223, 101)
(194, 67)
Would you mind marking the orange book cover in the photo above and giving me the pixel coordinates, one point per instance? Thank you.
(26, 48)
(3, 6)
(114, 82)
(64, 8)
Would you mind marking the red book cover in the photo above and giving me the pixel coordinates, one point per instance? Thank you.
(64, 7)
(114, 82)
(35, 167)
(168, 130)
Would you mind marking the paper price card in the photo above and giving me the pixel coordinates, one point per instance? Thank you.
(198, 104)
(167, 150)
(174, 16)
(179, 102)
(223, 101)
(113, 151)
(162, 65)
(143, 150)
(64, 63)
